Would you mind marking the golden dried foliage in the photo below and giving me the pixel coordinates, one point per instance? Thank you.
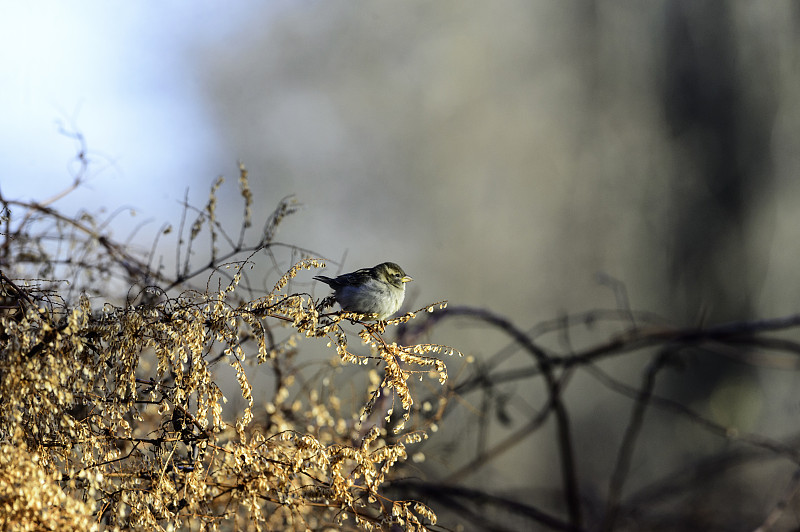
(115, 418)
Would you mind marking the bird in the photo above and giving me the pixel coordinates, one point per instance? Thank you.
(377, 291)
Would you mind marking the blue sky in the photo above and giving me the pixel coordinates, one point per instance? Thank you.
(124, 74)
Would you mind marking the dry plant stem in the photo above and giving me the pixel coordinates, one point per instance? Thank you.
(22, 297)
(482, 459)
(475, 497)
(780, 507)
(626, 449)
(649, 331)
(134, 267)
(733, 332)
(787, 451)
(555, 406)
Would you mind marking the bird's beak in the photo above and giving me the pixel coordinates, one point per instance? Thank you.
(407, 279)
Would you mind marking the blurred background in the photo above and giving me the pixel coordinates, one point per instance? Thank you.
(512, 155)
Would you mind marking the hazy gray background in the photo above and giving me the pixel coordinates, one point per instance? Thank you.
(487, 147)
(502, 152)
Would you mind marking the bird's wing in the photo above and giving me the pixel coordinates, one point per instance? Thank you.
(357, 277)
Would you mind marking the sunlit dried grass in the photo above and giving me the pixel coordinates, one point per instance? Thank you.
(113, 417)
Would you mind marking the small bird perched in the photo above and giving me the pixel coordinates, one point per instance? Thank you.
(379, 290)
